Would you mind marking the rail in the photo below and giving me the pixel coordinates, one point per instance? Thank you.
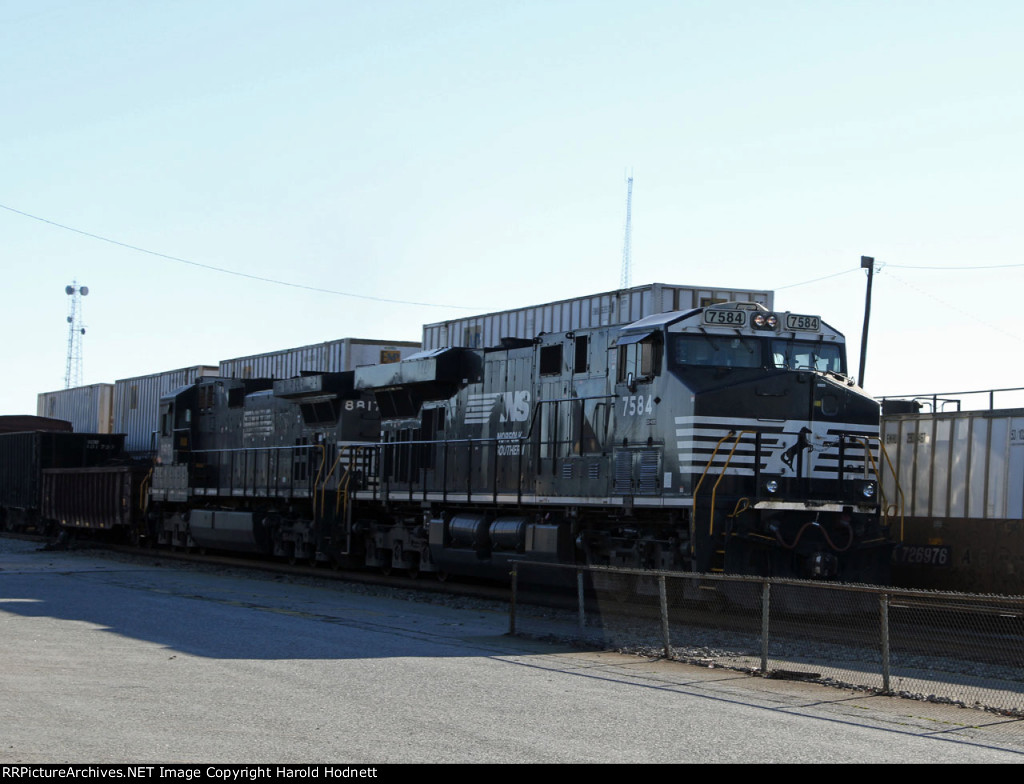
(955, 399)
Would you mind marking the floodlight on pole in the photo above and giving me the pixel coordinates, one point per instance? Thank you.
(73, 368)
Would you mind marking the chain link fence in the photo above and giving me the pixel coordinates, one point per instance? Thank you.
(964, 649)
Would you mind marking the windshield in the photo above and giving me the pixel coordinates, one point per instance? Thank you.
(716, 351)
(807, 355)
(746, 352)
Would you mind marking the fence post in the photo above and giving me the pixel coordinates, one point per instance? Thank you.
(581, 609)
(884, 602)
(766, 594)
(512, 602)
(663, 595)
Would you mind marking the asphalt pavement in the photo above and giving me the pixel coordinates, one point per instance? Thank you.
(114, 660)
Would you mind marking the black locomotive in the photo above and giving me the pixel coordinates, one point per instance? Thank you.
(725, 438)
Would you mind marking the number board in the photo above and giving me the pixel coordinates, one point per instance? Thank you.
(725, 318)
(797, 323)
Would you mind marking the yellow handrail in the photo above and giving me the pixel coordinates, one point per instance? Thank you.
(143, 493)
(882, 505)
(323, 488)
(714, 490)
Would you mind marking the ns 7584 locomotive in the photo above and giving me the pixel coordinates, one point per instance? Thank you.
(726, 438)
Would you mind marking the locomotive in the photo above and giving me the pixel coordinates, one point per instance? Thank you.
(725, 438)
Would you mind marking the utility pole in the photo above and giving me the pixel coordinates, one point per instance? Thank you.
(868, 263)
(627, 244)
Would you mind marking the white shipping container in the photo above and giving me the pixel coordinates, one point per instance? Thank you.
(137, 403)
(958, 465)
(330, 357)
(596, 310)
(89, 409)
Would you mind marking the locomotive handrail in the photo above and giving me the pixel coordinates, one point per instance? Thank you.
(144, 492)
(316, 481)
(737, 436)
(323, 488)
(714, 490)
(883, 507)
(392, 453)
(390, 450)
(245, 450)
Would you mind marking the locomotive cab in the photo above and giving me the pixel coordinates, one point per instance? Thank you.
(775, 445)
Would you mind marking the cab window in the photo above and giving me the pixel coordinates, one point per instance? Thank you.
(640, 361)
(807, 355)
(716, 351)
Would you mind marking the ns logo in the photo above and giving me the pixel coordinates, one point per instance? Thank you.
(510, 406)
(515, 406)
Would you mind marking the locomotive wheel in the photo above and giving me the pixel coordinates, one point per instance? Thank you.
(442, 576)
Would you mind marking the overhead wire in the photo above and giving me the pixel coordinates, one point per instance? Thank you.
(226, 271)
(921, 291)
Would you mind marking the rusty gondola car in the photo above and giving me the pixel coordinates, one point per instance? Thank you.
(26, 455)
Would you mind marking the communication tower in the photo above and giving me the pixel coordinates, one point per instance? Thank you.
(627, 244)
(73, 371)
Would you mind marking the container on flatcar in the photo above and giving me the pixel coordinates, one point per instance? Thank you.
(137, 403)
(610, 308)
(962, 477)
(89, 409)
(333, 356)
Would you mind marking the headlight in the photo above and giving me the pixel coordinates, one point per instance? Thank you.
(765, 321)
(772, 485)
(869, 489)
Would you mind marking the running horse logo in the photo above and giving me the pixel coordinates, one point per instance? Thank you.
(801, 443)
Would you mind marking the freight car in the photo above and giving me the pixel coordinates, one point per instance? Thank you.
(962, 474)
(721, 438)
(25, 456)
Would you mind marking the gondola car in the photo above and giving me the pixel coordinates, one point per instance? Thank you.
(27, 455)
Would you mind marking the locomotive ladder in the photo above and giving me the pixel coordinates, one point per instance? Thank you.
(889, 511)
(718, 557)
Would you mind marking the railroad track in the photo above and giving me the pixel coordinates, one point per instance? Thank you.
(424, 583)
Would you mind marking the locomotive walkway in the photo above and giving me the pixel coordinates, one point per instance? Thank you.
(108, 660)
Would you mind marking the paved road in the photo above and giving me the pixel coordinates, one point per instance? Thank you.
(107, 660)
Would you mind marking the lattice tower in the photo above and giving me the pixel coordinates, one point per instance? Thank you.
(627, 244)
(73, 369)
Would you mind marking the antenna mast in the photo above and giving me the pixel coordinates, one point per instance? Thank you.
(73, 370)
(627, 244)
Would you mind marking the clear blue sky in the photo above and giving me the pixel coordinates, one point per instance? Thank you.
(471, 155)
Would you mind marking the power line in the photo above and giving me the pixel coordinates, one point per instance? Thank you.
(228, 271)
(902, 266)
(953, 269)
(953, 306)
(815, 280)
